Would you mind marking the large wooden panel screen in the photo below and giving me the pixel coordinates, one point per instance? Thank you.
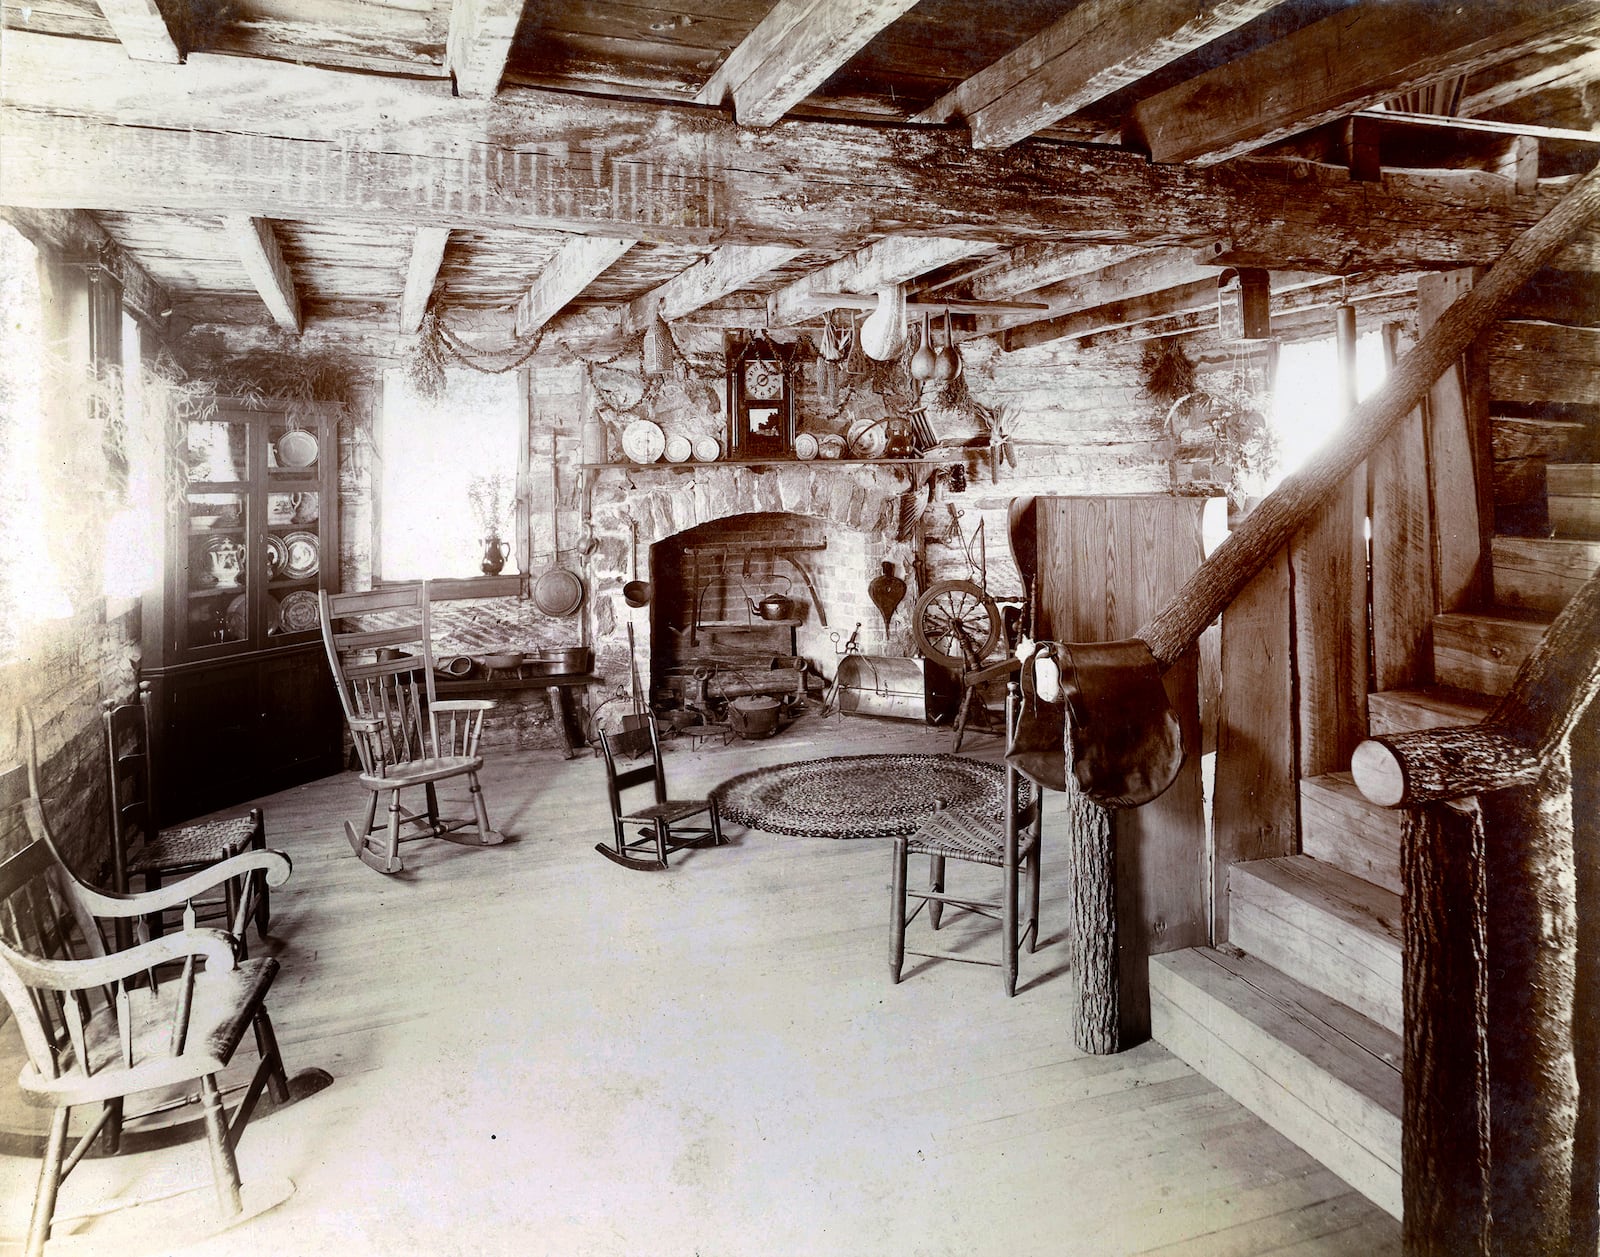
(1106, 565)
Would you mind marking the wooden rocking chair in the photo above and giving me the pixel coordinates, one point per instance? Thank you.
(660, 828)
(96, 1025)
(380, 648)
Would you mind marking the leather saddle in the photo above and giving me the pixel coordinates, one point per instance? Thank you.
(1111, 715)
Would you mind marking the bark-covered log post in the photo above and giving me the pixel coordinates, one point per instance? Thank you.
(1445, 993)
(1517, 765)
(1092, 923)
(1586, 1001)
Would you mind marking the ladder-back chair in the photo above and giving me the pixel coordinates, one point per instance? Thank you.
(380, 649)
(659, 830)
(142, 853)
(963, 836)
(98, 1028)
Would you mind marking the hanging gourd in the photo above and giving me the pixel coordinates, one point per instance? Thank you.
(884, 332)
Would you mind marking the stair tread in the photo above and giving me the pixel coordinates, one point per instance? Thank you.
(1318, 1072)
(1362, 905)
(1426, 707)
(1339, 825)
(1482, 650)
(1325, 927)
(1356, 1050)
(1542, 573)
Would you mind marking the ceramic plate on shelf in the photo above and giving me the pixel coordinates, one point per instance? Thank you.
(305, 555)
(237, 616)
(805, 446)
(867, 438)
(277, 555)
(707, 449)
(830, 445)
(298, 612)
(643, 442)
(678, 448)
(297, 449)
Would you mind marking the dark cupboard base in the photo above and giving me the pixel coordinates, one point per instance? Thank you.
(235, 729)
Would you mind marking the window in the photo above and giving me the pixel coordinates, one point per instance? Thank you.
(131, 532)
(433, 456)
(30, 585)
(1306, 395)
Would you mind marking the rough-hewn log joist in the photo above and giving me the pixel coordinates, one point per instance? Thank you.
(88, 129)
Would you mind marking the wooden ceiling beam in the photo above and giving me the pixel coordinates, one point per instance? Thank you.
(1141, 307)
(75, 234)
(1031, 267)
(792, 52)
(1372, 295)
(1097, 48)
(263, 261)
(575, 266)
(713, 277)
(86, 128)
(143, 30)
(884, 262)
(478, 43)
(1348, 61)
(427, 253)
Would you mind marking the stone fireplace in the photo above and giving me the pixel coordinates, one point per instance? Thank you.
(715, 542)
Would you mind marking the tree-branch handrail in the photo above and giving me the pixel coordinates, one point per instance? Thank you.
(1294, 503)
(1512, 745)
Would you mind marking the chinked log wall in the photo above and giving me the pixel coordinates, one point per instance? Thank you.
(1476, 1177)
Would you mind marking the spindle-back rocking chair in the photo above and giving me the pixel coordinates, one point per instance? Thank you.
(380, 648)
(98, 1027)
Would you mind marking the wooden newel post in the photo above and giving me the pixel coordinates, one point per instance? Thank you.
(1491, 958)
(1532, 981)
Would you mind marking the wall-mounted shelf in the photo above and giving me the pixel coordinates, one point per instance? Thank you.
(758, 463)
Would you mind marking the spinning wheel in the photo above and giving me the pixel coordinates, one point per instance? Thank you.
(955, 623)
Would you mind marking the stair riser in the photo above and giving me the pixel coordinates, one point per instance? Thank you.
(1347, 1132)
(1575, 516)
(1541, 574)
(1406, 712)
(1317, 948)
(1481, 653)
(1340, 827)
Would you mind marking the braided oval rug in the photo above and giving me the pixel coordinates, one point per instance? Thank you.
(863, 796)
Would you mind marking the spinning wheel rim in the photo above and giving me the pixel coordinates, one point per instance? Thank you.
(947, 616)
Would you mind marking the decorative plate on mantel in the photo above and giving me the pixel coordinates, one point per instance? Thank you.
(707, 449)
(678, 448)
(643, 441)
(805, 446)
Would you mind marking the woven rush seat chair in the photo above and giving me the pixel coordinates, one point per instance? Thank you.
(380, 649)
(966, 836)
(660, 832)
(97, 1026)
(144, 855)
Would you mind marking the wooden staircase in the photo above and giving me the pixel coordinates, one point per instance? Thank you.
(1299, 1015)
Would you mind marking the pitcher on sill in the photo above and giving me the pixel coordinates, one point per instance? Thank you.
(495, 554)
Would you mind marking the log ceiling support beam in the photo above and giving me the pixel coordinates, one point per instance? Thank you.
(885, 262)
(227, 135)
(478, 43)
(1097, 48)
(724, 271)
(1349, 61)
(143, 30)
(263, 261)
(1197, 294)
(575, 266)
(792, 52)
(427, 253)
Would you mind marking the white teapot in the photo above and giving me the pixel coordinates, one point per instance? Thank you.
(224, 562)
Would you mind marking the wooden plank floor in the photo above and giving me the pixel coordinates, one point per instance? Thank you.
(536, 1051)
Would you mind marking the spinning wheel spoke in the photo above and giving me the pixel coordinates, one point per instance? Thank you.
(956, 624)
